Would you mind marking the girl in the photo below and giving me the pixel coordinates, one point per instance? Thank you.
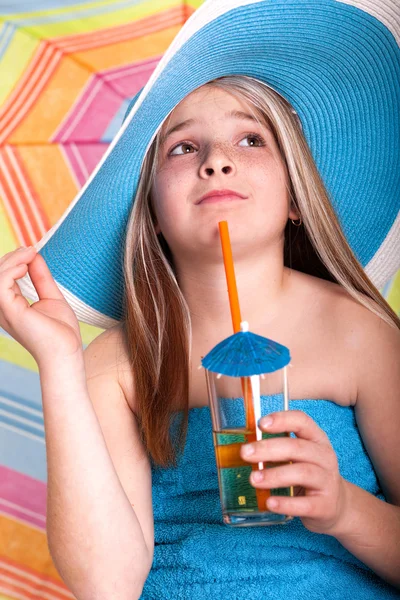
(133, 506)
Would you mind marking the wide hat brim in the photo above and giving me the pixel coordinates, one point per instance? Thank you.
(337, 63)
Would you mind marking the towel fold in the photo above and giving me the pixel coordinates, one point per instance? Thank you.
(197, 556)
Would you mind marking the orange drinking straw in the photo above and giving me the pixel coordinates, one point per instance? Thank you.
(262, 495)
(230, 275)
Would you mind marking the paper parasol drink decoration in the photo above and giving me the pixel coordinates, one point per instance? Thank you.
(245, 353)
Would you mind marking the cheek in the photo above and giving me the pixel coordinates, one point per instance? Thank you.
(166, 202)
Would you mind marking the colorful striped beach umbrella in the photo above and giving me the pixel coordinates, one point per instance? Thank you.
(67, 73)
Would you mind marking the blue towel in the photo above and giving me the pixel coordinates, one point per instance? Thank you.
(197, 556)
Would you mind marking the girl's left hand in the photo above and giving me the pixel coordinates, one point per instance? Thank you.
(314, 467)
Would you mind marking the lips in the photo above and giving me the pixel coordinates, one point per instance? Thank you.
(220, 195)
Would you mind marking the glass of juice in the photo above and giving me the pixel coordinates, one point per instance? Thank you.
(237, 403)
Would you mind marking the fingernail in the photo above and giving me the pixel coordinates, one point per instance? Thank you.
(248, 449)
(265, 421)
(257, 476)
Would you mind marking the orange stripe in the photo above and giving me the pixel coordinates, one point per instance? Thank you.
(138, 28)
(23, 235)
(27, 591)
(40, 215)
(24, 214)
(16, 568)
(20, 575)
(187, 12)
(27, 207)
(28, 89)
(13, 225)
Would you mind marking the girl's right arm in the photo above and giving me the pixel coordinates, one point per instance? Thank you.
(94, 535)
(93, 452)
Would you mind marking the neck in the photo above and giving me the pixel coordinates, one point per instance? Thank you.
(263, 290)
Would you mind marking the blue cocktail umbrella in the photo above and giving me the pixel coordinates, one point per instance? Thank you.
(245, 353)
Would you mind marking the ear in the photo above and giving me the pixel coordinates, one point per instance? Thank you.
(293, 214)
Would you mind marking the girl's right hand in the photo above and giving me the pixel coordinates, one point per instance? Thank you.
(48, 328)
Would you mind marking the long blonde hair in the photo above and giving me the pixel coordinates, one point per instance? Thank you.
(157, 324)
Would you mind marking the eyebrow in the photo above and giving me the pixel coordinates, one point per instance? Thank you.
(235, 114)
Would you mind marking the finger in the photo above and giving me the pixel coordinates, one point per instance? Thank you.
(284, 449)
(300, 506)
(295, 421)
(11, 303)
(311, 477)
(43, 280)
(17, 256)
(8, 278)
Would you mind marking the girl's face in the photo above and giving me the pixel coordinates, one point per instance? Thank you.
(211, 142)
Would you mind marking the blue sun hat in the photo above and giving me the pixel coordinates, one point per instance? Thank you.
(338, 64)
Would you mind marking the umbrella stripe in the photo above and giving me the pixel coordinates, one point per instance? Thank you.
(19, 232)
(23, 572)
(35, 212)
(75, 117)
(99, 15)
(78, 167)
(24, 592)
(29, 88)
(126, 31)
(20, 199)
(82, 159)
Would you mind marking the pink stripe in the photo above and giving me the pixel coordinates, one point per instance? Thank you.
(20, 515)
(83, 159)
(128, 80)
(23, 497)
(101, 99)
(91, 114)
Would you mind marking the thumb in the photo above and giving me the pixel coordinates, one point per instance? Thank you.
(43, 280)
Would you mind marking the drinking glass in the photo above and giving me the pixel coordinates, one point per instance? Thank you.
(229, 397)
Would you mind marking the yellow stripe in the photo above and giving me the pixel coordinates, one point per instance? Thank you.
(118, 54)
(15, 61)
(95, 22)
(194, 3)
(89, 332)
(8, 240)
(393, 296)
(12, 352)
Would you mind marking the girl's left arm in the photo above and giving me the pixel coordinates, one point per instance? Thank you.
(370, 528)
(367, 526)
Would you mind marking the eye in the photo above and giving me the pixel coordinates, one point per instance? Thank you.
(254, 136)
(185, 145)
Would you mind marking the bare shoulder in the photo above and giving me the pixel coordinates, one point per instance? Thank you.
(340, 309)
(348, 341)
(108, 353)
(371, 344)
(362, 325)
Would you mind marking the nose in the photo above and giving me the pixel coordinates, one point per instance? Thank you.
(217, 160)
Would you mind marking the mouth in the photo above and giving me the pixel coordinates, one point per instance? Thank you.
(220, 196)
